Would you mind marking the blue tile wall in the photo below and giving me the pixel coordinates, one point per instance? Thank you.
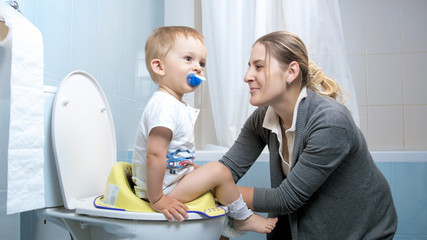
(106, 38)
(409, 182)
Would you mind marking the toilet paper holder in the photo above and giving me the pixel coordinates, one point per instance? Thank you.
(13, 4)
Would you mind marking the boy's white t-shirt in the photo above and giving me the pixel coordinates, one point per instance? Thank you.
(164, 110)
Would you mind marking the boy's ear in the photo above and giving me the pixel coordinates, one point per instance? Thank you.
(157, 67)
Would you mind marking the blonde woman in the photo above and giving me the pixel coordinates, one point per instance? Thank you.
(324, 183)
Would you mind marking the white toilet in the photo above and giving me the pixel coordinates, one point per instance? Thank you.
(84, 144)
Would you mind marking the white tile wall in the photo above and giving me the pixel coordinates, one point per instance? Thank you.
(355, 33)
(358, 67)
(382, 24)
(414, 69)
(413, 25)
(384, 79)
(385, 130)
(386, 41)
(363, 120)
(415, 120)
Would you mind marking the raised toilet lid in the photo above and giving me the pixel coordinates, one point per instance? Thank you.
(83, 138)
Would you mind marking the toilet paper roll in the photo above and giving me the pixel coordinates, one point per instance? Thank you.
(5, 34)
(25, 157)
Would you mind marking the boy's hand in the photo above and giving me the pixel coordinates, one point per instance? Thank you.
(171, 208)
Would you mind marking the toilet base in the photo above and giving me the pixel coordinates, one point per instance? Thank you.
(83, 227)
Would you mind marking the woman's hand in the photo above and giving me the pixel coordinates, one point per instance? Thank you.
(171, 208)
(195, 165)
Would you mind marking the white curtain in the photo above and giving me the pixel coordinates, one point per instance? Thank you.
(318, 23)
(230, 28)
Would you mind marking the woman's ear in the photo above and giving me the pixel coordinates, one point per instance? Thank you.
(293, 70)
(157, 67)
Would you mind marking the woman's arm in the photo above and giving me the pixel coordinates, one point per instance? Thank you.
(247, 147)
(247, 195)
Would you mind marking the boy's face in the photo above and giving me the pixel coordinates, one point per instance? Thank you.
(188, 55)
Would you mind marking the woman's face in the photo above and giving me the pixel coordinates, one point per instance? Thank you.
(266, 78)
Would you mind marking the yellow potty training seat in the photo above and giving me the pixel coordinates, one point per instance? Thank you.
(119, 195)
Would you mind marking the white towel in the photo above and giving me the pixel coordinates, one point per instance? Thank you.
(25, 156)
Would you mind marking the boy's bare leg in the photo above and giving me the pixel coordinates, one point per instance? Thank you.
(216, 176)
(211, 176)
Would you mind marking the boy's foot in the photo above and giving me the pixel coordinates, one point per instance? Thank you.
(255, 223)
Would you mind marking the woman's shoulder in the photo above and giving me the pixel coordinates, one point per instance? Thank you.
(328, 110)
(255, 121)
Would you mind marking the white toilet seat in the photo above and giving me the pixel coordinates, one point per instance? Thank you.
(83, 138)
(86, 207)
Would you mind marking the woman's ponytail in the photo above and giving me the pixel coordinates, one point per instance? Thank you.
(323, 84)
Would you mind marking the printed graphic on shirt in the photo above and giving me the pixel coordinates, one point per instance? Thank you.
(178, 160)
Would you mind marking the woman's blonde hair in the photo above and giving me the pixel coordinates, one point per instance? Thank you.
(287, 47)
(162, 40)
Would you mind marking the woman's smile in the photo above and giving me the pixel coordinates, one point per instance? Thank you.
(253, 90)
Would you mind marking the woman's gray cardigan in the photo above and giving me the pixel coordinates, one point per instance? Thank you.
(334, 189)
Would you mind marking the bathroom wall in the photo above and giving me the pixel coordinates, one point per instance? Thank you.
(386, 44)
(105, 38)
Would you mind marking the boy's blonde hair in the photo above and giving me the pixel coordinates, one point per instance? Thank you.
(162, 40)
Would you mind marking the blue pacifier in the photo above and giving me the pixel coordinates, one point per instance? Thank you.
(194, 80)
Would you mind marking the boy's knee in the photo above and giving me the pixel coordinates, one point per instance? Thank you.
(220, 170)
